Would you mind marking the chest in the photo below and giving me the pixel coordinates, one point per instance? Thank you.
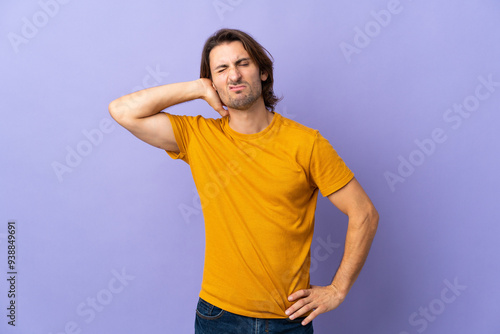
(268, 170)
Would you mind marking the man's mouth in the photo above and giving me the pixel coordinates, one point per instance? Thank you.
(236, 88)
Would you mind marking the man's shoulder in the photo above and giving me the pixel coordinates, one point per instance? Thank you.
(298, 129)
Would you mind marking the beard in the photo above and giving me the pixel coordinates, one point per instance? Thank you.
(243, 100)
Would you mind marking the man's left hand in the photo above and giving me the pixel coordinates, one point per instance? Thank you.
(321, 299)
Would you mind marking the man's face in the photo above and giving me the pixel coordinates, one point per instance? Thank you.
(235, 75)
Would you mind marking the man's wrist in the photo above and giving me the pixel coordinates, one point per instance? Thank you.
(200, 88)
(341, 291)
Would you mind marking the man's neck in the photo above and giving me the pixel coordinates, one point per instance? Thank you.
(250, 121)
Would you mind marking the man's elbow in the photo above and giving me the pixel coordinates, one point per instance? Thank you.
(372, 218)
(367, 219)
(118, 110)
(114, 109)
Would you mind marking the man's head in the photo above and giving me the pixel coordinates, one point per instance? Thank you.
(231, 57)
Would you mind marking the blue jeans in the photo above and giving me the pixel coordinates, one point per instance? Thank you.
(212, 320)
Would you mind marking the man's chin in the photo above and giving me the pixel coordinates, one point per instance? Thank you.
(242, 104)
(243, 107)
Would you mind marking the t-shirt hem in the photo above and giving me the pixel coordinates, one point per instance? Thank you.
(229, 308)
(338, 185)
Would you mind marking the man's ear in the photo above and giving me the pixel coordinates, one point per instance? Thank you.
(263, 75)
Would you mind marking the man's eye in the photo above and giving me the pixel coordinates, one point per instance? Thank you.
(244, 64)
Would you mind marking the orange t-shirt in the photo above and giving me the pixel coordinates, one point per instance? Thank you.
(258, 194)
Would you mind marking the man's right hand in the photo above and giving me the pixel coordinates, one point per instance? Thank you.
(211, 96)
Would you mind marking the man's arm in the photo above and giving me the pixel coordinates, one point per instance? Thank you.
(140, 112)
(363, 221)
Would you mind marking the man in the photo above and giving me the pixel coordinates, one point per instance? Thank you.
(258, 175)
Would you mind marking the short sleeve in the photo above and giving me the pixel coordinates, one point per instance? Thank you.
(328, 172)
(182, 126)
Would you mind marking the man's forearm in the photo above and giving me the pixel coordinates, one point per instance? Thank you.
(359, 237)
(153, 100)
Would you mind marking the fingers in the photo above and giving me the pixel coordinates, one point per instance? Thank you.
(218, 106)
(310, 317)
(299, 309)
(223, 112)
(318, 299)
(299, 294)
(307, 300)
(294, 308)
(211, 96)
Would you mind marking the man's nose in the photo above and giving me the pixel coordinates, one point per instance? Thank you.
(234, 74)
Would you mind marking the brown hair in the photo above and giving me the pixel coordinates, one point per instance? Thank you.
(256, 51)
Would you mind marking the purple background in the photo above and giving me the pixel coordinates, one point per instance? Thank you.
(118, 207)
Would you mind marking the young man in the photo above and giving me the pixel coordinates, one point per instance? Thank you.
(258, 175)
